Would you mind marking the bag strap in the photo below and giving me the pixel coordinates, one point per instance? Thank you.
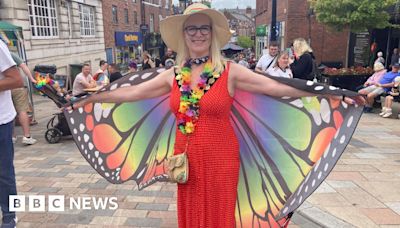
(270, 63)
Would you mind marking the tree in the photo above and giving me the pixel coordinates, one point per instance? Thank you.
(356, 15)
(245, 42)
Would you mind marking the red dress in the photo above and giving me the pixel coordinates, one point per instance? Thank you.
(208, 199)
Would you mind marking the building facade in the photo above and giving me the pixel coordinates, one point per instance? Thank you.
(153, 11)
(294, 20)
(61, 32)
(123, 39)
(240, 22)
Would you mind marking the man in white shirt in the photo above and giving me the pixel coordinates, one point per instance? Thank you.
(9, 79)
(83, 81)
(268, 60)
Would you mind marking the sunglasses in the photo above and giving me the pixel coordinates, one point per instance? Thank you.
(192, 30)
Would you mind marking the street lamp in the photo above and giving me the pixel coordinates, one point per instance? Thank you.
(273, 36)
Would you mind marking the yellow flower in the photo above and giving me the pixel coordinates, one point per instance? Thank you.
(189, 128)
(197, 93)
(183, 106)
(216, 75)
(178, 77)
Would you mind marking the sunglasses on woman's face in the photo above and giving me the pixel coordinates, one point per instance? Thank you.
(191, 30)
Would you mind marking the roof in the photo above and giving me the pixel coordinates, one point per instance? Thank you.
(6, 26)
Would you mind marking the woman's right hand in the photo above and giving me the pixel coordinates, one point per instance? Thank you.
(76, 105)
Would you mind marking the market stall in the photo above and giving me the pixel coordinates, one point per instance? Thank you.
(13, 37)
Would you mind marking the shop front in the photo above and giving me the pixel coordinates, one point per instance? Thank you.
(154, 44)
(127, 47)
(261, 39)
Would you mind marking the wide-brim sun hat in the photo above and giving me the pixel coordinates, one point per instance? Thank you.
(172, 27)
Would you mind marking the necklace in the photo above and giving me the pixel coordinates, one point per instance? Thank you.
(188, 112)
(198, 61)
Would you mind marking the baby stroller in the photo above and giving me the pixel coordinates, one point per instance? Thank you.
(57, 125)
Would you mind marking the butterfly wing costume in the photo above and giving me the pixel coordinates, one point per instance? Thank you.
(288, 146)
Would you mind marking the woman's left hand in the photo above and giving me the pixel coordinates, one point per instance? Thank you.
(359, 100)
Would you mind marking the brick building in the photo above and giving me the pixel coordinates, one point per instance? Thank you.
(60, 32)
(122, 30)
(153, 12)
(294, 19)
(240, 22)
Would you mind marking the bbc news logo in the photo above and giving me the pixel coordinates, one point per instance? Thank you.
(37, 203)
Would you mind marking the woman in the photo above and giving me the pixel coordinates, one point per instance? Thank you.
(302, 67)
(202, 109)
(132, 67)
(147, 62)
(281, 67)
(379, 72)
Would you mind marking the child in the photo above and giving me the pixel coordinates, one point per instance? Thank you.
(394, 96)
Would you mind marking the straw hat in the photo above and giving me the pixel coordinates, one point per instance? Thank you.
(171, 27)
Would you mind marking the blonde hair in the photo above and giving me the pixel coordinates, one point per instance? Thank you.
(218, 62)
(301, 46)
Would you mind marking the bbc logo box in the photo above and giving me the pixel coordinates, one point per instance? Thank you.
(36, 203)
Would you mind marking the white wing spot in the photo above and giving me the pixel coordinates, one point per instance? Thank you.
(97, 111)
(114, 86)
(318, 88)
(310, 83)
(72, 120)
(326, 167)
(306, 189)
(100, 161)
(79, 138)
(90, 146)
(298, 103)
(345, 105)
(332, 88)
(325, 111)
(80, 110)
(146, 75)
(313, 183)
(285, 210)
(96, 154)
(86, 137)
(350, 121)
(125, 85)
(334, 153)
(133, 77)
(81, 127)
(342, 139)
(319, 175)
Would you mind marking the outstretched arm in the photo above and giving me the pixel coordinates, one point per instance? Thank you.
(155, 87)
(245, 79)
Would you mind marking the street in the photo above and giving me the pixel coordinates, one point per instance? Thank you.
(362, 191)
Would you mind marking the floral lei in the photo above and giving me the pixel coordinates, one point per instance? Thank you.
(188, 112)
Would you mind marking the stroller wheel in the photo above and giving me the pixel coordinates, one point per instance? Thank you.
(53, 135)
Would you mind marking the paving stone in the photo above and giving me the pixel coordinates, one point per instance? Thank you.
(382, 216)
(77, 219)
(144, 222)
(395, 206)
(341, 184)
(152, 206)
(45, 190)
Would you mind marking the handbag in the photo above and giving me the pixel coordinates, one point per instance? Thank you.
(178, 167)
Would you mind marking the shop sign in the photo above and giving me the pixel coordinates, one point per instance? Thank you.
(128, 38)
(261, 30)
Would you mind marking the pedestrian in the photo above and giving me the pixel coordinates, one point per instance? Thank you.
(395, 57)
(269, 58)
(132, 67)
(10, 78)
(243, 61)
(168, 60)
(393, 96)
(115, 73)
(21, 103)
(83, 80)
(380, 58)
(102, 71)
(201, 88)
(303, 64)
(147, 62)
(281, 68)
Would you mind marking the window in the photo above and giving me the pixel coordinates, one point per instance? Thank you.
(114, 14)
(43, 18)
(86, 16)
(126, 16)
(151, 22)
(135, 18)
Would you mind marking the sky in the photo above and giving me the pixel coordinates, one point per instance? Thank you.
(221, 4)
